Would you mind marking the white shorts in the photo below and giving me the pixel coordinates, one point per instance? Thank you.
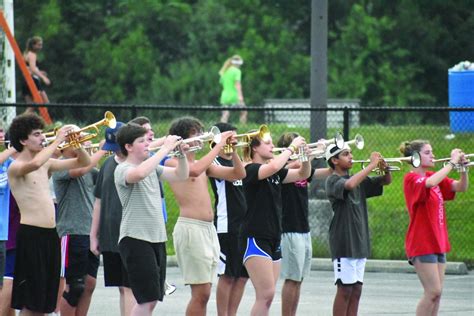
(296, 252)
(349, 270)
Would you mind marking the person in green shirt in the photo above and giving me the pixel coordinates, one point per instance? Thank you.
(230, 79)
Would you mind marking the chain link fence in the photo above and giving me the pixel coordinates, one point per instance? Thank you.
(383, 130)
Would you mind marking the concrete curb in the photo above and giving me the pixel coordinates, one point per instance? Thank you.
(373, 265)
(394, 266)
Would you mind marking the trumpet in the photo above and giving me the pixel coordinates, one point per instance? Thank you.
(394, 164)
(338, 140)
(75, 138)
(459, 167)
(244, 140)
(92, 148)
(358, 141)
(317, 153)
(214, 135)
(301, 154)
(6, 143)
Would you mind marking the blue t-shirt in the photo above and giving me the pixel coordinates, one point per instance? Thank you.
(4, 199)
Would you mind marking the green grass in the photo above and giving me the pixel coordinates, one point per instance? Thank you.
(388, 217)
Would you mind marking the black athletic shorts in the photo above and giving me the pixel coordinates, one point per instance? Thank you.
(231, 256)
(145, 263)
(78, 260)
(114, 270)
(37, 267)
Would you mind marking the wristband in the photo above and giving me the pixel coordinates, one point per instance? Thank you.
(292, 148)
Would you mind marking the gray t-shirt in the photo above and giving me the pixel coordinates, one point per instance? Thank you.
(75, 198)
(349, 228)
(110, 206)
(142, 215)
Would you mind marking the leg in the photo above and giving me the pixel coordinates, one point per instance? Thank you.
(290, 295)
(127, 301)
(225, 116)
(353, 305)
(62, 284)
(85, 301)
(200, 294)
(144, 309)
(75, 287)
(243, 117)
(441, 271)
(27, 312)
(261, 274)
(223, 293)
(429, 276)
(6, 298)
(341, 300)
(237, 292)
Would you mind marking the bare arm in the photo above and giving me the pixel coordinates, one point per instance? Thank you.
(322, 173)
(141, 171)
(6, 153)
(438, 176)
(238, 86)
(279, 161)
(357, 178)
(201, 165)
(462, 184)
(35, 70)
(237, 172)
(94, 233)
(303, 172)
(94, 160)
(178, 173)
(82, 160)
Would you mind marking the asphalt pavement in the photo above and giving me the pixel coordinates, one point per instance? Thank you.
(384, 293)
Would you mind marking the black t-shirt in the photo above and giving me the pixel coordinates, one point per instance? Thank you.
(263, 218)
(110, 206)
(349, 228)
(229, 202)
(295, 206)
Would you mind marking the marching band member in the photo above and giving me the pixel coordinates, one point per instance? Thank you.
(262, 224)
(427, 241)
(74, 195)
(35, 287)
(230, 209)
(142, 229)
(296, 243)
(349, 239)
(194, 235)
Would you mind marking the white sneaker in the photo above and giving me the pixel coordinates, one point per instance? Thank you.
(169, 288)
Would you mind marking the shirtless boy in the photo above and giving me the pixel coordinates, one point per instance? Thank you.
(195, 237)
(35, 287)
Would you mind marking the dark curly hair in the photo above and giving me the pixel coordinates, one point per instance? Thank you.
(186, 126)
(22, 126)
(127, 135)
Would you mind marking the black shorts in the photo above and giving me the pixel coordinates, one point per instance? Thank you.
(262, 247)
(78, 260)
(26, 91)
(114, 270)
(145, 263)
(37, 267)
(231, 256)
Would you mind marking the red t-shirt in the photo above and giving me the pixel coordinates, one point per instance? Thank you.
(427, 231)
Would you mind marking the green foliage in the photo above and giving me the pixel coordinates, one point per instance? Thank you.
(384, 53)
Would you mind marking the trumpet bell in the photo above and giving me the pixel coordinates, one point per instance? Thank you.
(416, 159)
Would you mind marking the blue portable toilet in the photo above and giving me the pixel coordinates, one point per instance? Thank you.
(461, 94)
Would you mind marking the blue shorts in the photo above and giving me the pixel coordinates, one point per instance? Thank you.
(431, 258)
(266, 248)
(10, 264)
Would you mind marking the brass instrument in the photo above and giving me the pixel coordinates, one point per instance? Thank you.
(338, 140)
(214, 135)
(6, 143)
(458, 167)
(92, 148)
(75, 138)
(358, 141)
(316, 152)
(244, 140)
(394, 164)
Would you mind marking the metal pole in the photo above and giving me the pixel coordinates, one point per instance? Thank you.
(319, 47)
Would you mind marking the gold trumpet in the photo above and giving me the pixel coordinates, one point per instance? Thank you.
(394, 164)
(244, 140)
(75, 138)
(214, 135)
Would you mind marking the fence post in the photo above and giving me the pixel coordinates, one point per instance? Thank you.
(134, 111)
(346, 123)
